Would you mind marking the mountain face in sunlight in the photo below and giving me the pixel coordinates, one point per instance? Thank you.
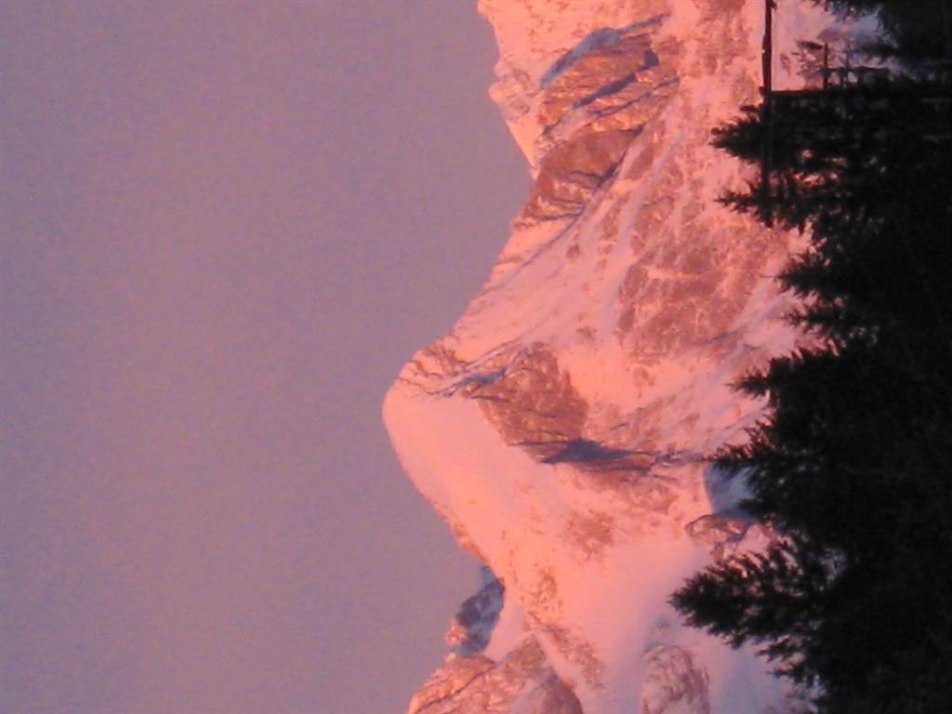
(561, 428)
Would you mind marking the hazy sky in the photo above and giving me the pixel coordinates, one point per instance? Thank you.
(225, 226)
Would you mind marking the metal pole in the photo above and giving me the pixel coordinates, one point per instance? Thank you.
(826, 66)
(766, 158)
(767, 53)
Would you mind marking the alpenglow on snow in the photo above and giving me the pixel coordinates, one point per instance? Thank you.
(561, 428)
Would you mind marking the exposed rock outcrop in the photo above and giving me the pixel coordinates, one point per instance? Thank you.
(561, 428)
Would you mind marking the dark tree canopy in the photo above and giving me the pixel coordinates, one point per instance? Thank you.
(915, 28)
(852, 465)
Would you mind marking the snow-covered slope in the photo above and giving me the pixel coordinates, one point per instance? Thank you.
(561, 427)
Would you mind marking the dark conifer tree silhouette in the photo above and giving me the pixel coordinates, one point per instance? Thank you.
(852, 465)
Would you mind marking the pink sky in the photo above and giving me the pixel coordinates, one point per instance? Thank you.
(225, 227)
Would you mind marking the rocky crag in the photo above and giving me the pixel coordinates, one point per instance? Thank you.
(561, 428)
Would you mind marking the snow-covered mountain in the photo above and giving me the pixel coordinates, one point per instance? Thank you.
(561, 428)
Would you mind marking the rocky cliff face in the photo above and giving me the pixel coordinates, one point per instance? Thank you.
(561, 427)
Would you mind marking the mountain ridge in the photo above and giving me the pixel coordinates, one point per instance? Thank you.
(561, 428)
